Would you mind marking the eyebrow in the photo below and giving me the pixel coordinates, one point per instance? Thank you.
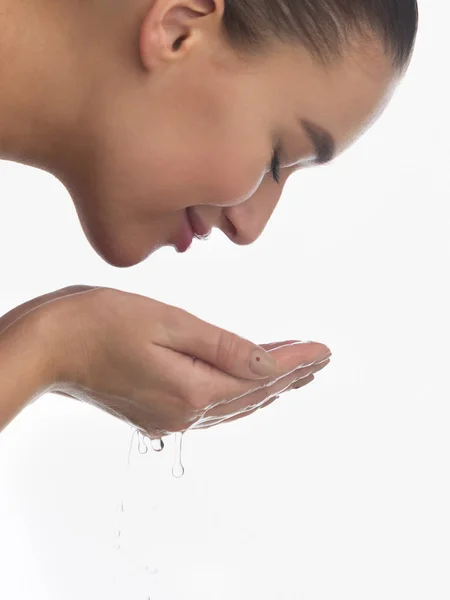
(323, 143)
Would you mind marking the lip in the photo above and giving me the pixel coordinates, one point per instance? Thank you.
(199, 228)
(185, 234)
(191, 226)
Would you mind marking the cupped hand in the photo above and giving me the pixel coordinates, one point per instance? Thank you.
(158, 367)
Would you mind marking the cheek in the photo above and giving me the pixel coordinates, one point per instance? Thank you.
(231, 185)
(232, 174)
(228, 157)
(221, 169)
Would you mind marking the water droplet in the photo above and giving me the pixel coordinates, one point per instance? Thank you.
(178, 469)
(157, 445)
(135, 431)
(118, 534)
(142, 444)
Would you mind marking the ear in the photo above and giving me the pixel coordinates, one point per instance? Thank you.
(172, 27)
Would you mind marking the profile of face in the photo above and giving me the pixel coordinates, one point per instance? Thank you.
(179, 119)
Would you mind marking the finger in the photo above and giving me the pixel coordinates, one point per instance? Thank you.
(201, 386)
(274, 345)
(222, 420)
(227, 351)
(255, 398)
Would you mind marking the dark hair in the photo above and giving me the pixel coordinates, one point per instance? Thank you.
(323, 26)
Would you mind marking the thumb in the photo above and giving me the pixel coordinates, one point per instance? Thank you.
(220, 348)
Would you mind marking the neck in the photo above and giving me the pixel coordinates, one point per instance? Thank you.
(37, 99)
(53, 57)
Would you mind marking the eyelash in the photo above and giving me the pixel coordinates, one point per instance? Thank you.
(275, 166)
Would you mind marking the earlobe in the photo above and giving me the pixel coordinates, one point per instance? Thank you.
(171, 27)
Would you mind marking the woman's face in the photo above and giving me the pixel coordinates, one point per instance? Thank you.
(200, 130)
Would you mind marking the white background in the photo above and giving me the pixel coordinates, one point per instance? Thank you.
(338, 490)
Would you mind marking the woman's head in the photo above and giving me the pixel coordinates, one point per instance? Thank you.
(206, 103)
(325, 27)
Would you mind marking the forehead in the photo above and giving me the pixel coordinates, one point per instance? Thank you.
(344, 98)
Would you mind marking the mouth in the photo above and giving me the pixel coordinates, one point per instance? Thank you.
(198, 226)
(191, 226)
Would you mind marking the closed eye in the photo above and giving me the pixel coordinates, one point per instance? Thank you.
(275, 166)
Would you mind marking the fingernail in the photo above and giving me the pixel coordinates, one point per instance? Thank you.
(263, 364)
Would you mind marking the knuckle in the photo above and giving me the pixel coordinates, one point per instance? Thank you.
(171, 320)
(227, 349)
(174, 315)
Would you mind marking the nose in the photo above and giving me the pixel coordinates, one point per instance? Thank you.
(244, 223)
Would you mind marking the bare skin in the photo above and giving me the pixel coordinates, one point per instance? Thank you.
(133, 358)
(142, 109)
(138, 131)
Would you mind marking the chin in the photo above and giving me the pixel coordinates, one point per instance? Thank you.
(124, 256)
(115, 257)
(119, 245)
